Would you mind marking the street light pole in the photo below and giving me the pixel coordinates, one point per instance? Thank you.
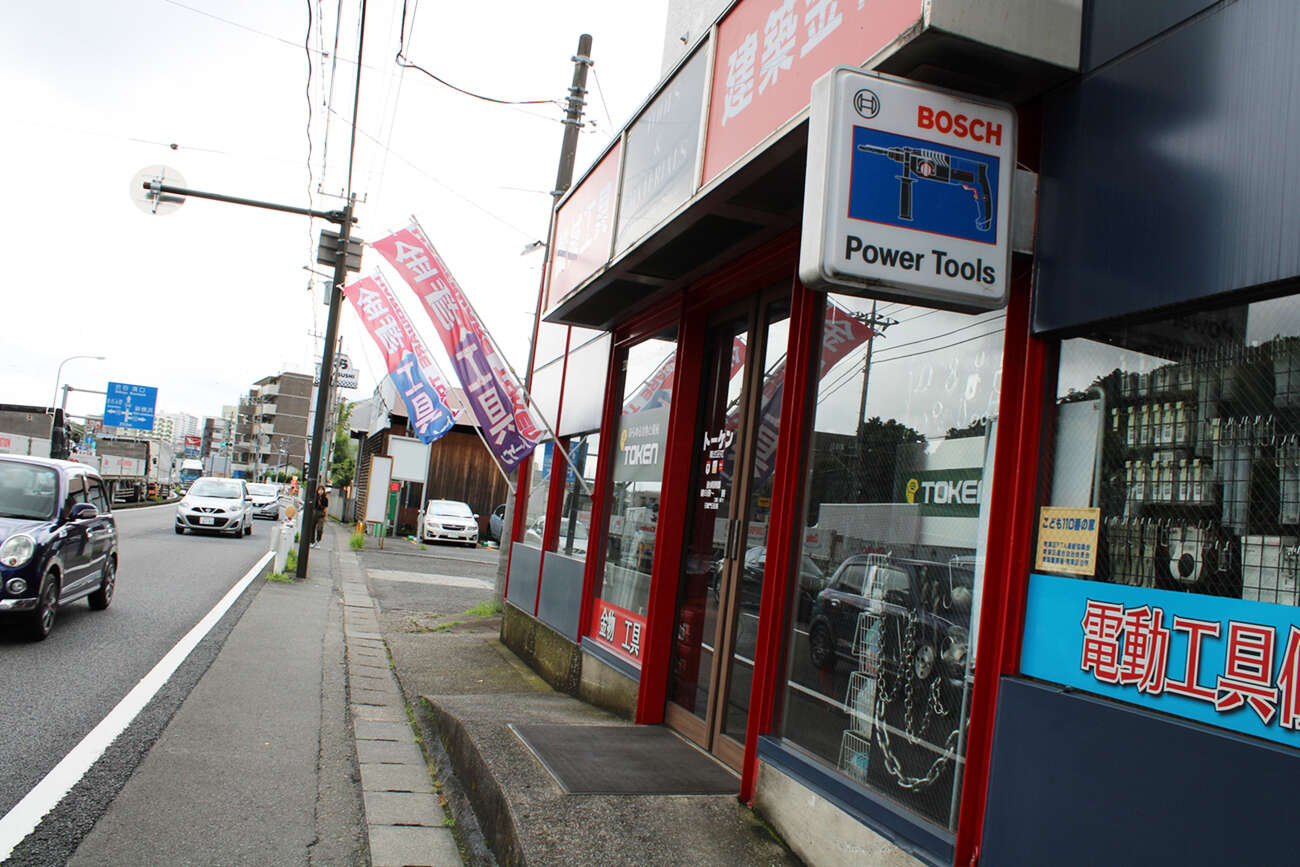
(57, 377)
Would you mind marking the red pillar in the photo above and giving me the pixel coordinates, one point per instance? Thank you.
(783, 547)
(1006, 578)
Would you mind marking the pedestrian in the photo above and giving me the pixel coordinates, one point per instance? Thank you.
(322, 509)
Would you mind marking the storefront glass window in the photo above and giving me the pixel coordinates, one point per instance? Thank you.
(575, 516)
(879, 655)
(623, 588)
(1167, 556)
(539, 483)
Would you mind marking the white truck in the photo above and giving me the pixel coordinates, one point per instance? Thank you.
(33, 430)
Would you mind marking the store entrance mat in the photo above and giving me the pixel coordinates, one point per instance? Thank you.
(625, 760)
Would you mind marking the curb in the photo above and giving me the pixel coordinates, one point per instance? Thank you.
(405, 823)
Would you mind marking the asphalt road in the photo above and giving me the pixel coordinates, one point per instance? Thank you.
(54, 692)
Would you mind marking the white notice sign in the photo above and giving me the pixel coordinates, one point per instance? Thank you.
(908, 192)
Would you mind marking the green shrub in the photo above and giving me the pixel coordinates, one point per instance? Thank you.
(358, 541)
(291, 563)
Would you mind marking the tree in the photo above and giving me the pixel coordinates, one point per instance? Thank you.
(344, 462)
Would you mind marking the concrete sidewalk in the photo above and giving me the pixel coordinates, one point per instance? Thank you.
(257, 766)
(465, 689)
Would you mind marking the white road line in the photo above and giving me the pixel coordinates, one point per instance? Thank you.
(45, 795)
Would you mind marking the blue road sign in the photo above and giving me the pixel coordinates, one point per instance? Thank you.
(130, 406)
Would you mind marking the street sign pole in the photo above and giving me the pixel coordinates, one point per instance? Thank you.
(312, 470)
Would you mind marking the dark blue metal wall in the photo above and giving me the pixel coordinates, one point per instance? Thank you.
(1111, 27)
(1169, 175)
(1079, 780)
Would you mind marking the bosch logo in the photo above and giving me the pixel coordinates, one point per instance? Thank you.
(866, 103)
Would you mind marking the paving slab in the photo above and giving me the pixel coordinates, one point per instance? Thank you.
(396, 846)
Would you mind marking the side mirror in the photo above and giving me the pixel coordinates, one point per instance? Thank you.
(475, 517)
(83, 512)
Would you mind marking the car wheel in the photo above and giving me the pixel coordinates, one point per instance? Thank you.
(100, 599)
(821, 647)
(42, 622)
(180, 531)
(248, 530)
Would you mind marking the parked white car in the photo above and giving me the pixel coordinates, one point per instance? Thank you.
(216, 505)
(451, 521)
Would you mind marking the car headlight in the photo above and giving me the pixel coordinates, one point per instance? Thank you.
(17, 550)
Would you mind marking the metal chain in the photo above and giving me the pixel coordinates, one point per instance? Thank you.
(933, 706)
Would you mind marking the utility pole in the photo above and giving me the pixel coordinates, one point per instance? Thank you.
(563, 180)
(312, 470)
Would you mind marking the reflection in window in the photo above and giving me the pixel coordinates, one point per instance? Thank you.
(539, 484)
(575, 515)
(1185, 435)
(642, 431)
(897, 480)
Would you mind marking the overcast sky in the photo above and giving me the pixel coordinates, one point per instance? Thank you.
(203, 302)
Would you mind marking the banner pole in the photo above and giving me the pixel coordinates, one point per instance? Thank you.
(528, 398)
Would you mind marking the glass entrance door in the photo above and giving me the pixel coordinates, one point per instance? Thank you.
(721, 580)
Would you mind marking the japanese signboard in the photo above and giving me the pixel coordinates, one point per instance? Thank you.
(768, 54)
(618, 631)
(908, 187)
(495, 397)
(1067, 540)
(659, 169)
(642, 437)
(584, 228)
(130, 406)
(1217, 660)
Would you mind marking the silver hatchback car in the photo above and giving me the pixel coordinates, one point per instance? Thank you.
(217, 506)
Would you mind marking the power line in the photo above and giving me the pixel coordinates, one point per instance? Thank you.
(400, 59)
(601, 93)
(464, 198)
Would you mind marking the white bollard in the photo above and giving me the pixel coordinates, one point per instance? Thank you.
(275, 536)
(282, 549)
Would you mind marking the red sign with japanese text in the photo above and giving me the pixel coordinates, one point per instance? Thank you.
(584, 228)
(770, 52)
(618, 631)
(393, 330)
(495, 397)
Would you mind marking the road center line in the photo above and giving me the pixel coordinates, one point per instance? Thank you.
(45, 795)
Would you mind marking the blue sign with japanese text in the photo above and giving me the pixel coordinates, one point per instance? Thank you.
(428, 416)
(1226, 662)
(916, 184)
(130, 406)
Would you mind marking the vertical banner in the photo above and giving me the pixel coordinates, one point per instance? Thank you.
(495, 398)
(388, 324)
(382, 313)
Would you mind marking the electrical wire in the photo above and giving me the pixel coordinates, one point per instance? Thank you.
(311, 284)
(466, 199)
(600, 91)
(401, 60)
(329, 95)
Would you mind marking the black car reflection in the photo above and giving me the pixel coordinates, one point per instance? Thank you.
(811, 581)
(894, 614)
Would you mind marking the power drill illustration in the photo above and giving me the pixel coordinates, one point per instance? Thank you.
(919, 164)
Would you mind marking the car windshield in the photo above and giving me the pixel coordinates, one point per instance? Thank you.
(260, 490)
(225, 488)
(27, 490)
(449, 509)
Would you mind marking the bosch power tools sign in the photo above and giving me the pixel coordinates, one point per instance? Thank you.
(907, 192)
